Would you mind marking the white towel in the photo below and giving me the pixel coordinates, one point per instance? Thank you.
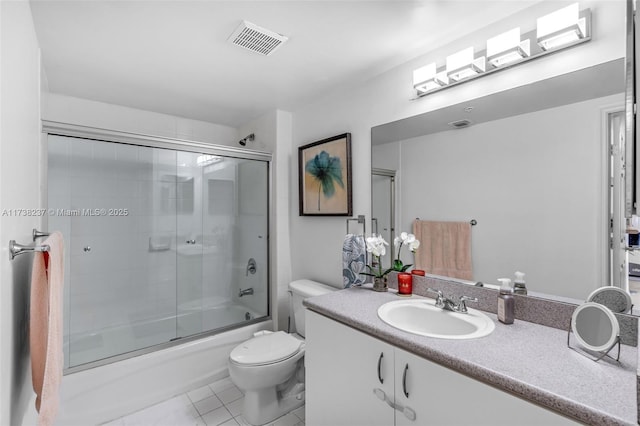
(45, 330)
(354, 260)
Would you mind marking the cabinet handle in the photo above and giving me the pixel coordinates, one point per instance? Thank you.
(379, 365)
(404, 381)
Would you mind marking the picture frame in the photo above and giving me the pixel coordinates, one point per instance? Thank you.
(324, 176)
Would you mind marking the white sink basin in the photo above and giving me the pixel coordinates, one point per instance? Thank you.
(420, 316)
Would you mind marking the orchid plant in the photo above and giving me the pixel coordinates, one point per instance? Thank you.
(376, 246)
(413, 244)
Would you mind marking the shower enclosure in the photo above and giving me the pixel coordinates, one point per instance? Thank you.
(165, 241)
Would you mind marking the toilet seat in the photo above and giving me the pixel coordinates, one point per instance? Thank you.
(266, 349)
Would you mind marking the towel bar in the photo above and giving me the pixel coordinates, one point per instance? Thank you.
(473, 222)
(39, 234)
(16, 249)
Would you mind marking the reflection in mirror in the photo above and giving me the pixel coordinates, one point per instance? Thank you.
(595, 327)
(532, 168)
(616, 299)
(383, 209)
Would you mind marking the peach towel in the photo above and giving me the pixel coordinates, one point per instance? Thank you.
(445, 248)
(45, 334)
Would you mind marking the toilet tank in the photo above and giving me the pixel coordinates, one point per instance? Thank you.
(300, 290)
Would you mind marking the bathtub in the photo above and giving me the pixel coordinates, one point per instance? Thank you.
(193, 318)
(110, 391)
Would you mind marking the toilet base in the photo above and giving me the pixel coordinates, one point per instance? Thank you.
(264, 406)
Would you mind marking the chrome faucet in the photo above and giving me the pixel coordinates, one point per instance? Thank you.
(442, 301)
(462, 305)
(449, 305)
(246, 292)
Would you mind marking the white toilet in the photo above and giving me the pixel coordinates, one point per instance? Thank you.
(269, 368)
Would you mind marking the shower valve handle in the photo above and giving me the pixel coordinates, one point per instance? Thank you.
(251, 267)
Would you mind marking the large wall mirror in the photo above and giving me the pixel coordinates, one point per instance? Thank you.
(533, 168)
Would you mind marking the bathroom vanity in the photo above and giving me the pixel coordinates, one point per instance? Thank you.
(361, 371)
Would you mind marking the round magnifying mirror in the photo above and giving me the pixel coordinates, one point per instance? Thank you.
(614, 298)
(595, 326)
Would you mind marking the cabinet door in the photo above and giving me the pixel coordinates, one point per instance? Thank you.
(343, 367)
(440, 396)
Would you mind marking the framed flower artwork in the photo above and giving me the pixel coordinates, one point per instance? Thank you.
(324, 173)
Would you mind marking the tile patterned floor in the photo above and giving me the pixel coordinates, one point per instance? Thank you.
(218, 403)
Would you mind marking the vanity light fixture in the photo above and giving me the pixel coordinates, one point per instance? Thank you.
(427, 78)
(561, 28)
(554, 32)
(462, 65)
(507, 48)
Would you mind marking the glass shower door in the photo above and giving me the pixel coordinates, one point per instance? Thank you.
(190, 245)
(112, 204)
(225, 233)
(247, 259)
(160, 244)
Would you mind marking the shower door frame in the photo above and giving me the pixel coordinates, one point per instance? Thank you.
(55, 128)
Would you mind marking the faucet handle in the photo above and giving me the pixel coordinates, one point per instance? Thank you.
(462, 307)
(436, 292)
(439, 298)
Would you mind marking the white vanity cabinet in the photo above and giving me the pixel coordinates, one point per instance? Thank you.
(343, 387)
(342, 367)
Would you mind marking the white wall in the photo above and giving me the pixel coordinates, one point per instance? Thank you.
(535, 184)
(317, 242)
(19, 188)
(84, 112)
(273, 133)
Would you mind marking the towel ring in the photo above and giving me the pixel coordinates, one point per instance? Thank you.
(361, 220)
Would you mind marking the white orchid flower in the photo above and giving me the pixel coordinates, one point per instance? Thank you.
(411, 241)
(375, 245)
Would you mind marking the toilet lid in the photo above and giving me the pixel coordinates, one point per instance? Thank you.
(266, 349)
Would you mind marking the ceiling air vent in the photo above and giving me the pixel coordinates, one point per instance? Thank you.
(459, 124)
(257, 39)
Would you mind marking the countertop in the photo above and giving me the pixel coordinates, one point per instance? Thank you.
(526, 359)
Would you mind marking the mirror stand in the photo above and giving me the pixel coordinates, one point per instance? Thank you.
(601, 354)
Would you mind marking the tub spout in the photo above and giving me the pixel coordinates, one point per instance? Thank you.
(245, 292)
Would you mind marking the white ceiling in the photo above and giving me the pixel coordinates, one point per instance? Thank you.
(173, 56)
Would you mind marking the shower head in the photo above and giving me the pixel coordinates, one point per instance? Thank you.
(250, 138)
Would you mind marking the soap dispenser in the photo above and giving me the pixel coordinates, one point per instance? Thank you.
(506, 302)
(519, 285)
